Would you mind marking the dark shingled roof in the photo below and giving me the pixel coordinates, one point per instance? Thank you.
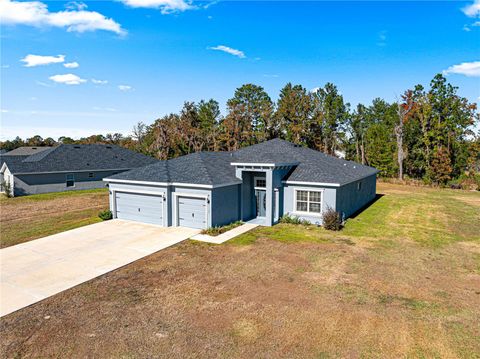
(77, 158)
(213, 168)
(26, 151)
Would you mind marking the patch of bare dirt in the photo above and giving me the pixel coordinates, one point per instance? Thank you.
(266, 300)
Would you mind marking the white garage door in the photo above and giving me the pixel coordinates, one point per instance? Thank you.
(139, 207)
(192, 212)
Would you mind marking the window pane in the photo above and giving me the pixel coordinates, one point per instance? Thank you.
(315, 207)
(302, 206)
(302, 195)
(315, 196)
(261, 183)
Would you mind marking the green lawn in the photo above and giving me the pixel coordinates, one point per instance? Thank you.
(30, 217)
(429, 216)
(401, 280)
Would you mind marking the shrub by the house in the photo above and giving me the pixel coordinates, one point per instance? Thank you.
(105, 215)
(332, 220)
(293, 220)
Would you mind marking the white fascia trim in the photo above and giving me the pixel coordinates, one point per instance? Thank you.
(312, 183)
(177, 184)
(4, 166)
(249, 164)
(253, 164)
(135, 182)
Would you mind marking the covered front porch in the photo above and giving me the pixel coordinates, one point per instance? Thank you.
(261, 192)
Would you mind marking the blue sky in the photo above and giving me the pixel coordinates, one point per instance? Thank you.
(141, 59)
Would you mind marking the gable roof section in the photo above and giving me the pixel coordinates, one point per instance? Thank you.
(27, 151)
(66, 158)
(215, 168)
(202, 168)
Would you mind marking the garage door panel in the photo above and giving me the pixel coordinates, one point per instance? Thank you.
(139, 207)
(192, 212)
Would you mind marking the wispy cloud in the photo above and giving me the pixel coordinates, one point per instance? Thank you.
(67, 79)
(382, 38)
(36, 13)
(71, 65)
(125, 88)
(165, 6)
(228, 50)
(472, 10)
(38, 60)
(99, 82)
(471, 69)
(108, 109)
(270, 75)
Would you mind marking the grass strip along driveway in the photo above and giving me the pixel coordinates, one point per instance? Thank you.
(29, 217)
(401, 280)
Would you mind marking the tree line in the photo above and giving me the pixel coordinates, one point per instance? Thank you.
(426, 134)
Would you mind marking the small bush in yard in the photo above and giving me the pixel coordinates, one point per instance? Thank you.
(293, 220)
(215, 231)
(332, 220)
(105, 215)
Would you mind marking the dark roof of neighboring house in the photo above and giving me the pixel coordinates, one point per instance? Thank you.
(64, 158)
(213, 168)
(26, 151)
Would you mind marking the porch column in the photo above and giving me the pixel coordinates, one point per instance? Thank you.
(269, 196)
(238, 174)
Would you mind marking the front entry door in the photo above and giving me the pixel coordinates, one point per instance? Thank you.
(261, 197)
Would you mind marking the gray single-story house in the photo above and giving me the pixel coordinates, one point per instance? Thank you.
(31, 170)
(259, 183)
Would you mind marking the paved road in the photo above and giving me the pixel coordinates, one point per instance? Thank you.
(38, 269)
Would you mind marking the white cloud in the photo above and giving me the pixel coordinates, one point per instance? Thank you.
(471, 69)
(67, 79)
(382, 38)
(71, 65)
(42, 84)
(38, 60)
(5, 66)
(99, 82)
(165, 6)
(125, 88)
(109, 109)
(270, 75)
(228, 50)
(35, 13)
(472, 10)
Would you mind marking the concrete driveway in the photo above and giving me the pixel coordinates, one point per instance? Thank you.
(38, 269)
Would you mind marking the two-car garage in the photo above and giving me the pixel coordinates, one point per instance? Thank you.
(184, 209)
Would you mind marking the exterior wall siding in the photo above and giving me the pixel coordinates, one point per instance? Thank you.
(350, 199)
(56, 182)
(225, 205)
(328, 200)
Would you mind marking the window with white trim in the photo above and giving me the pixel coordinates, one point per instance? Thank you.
(260, 182)
(308, 201)
(70, 180)
(359, 185)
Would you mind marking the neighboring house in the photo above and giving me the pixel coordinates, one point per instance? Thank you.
(31, 170)
(259, 183)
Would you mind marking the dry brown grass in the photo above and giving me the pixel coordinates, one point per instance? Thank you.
(30, 217)
(326, 296)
